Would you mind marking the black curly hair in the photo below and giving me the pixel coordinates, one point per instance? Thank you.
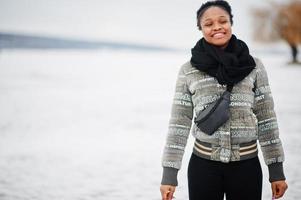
(218, 3)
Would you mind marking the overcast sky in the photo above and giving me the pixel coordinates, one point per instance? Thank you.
(161, 22)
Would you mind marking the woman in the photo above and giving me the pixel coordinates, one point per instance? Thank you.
(226, 162)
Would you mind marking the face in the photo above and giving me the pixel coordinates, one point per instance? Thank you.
(216, 26)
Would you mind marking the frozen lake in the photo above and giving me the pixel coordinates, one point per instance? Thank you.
(92, 124)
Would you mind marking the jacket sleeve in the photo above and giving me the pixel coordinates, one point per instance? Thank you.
(268, 132)
(178, 131)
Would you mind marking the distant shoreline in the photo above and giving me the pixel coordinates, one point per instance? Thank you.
(24, 41)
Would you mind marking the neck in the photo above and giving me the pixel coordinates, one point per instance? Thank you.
(223, 47)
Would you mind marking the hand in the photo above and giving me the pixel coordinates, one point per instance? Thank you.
(167, 192)
(278, 188)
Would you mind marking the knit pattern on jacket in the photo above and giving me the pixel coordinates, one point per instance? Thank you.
(252, 116)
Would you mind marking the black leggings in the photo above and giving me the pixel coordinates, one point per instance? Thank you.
(210, 180)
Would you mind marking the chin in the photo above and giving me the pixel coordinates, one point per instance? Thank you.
(220, 44)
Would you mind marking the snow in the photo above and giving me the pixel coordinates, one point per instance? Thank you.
(92, 124)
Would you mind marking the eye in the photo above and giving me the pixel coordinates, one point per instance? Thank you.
(208, 24)
(224, 21)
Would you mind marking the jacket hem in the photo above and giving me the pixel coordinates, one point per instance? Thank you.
(243, 152)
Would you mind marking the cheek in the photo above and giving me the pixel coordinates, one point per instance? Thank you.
(229, 34)
(229, 29)
(206, 32)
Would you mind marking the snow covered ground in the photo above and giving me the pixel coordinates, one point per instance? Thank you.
(92, 124)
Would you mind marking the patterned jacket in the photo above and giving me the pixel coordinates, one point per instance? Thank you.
(252, 118)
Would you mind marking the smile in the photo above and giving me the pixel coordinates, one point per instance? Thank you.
(218, 35)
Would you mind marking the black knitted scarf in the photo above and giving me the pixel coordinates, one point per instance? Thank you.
(228, 66)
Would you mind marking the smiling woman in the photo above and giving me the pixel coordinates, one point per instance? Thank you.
(216, 26)
(224, 162)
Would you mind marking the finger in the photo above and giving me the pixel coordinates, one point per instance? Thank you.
(164, 194)
(173, 190)
(277, 192)
(281, 191)
(170, 195)
(274, 190)
(167, 195)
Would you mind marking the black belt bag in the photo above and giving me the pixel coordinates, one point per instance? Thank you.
(215, 115)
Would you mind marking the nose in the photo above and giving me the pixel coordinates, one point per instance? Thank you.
(217, 26)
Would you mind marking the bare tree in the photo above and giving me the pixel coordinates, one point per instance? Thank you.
(280, 21)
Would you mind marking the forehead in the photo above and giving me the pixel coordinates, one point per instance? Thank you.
(214, 12)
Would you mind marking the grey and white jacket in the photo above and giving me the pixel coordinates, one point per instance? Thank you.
(252, 119)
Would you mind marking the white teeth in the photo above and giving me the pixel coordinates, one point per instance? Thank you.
(218, 35)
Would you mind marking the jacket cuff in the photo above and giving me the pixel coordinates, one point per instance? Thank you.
(276, 172)
(169, 176)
